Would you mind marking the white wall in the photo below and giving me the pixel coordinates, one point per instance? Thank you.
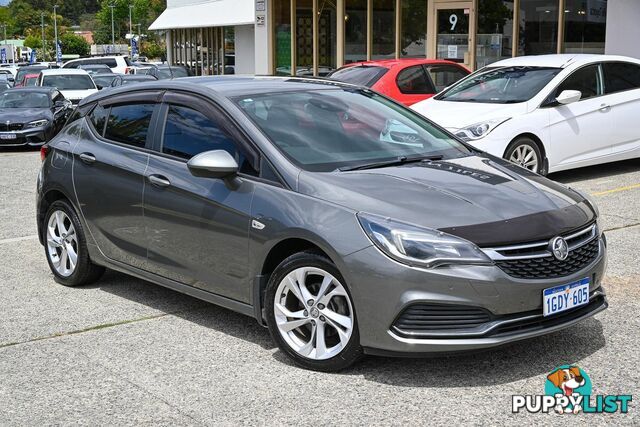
(245, 49)
(623, 28)
(264, 43)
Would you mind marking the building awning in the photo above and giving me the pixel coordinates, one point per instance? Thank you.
(216, 13)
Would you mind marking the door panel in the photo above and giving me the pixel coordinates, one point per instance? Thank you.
(622, 89)
(109, 193)
(580, 132)
(197, 229)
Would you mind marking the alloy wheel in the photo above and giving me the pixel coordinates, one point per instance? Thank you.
(313, 313)
(62, 243)
(525, 156)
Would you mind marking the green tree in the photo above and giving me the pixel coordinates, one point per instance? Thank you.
(153, 50)
(74, 45)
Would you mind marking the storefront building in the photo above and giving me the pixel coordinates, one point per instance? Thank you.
(313, 37)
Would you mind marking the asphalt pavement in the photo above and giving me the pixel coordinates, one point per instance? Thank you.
(127, 352)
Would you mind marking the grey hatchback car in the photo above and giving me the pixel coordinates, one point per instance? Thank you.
(344, 222)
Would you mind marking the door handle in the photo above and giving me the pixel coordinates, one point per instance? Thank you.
(159, 181)
(605, 107)
(88, 158)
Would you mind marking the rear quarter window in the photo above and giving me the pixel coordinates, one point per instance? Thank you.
(359, 75)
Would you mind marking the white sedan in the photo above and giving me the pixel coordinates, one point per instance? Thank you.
(546, 113)
(74, 84)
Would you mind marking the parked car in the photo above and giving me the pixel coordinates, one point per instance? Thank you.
(9, 74)
(103, 80)
(288, 200)
(30, 80)
(94, 69)
(117, 64)
(23, 71)
(547, 113)
(163, 72)
(406, 80)
(31, 116)
(121, 80)
(75, 85)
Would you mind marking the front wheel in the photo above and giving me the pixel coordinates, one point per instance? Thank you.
(310, 313)
(526, 153)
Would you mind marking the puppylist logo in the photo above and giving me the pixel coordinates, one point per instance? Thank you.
(568, 391)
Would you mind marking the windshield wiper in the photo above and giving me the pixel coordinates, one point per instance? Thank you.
(402, 160)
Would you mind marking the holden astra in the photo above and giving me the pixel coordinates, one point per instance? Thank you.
(344, 222)
(31, 116)
(547, 113)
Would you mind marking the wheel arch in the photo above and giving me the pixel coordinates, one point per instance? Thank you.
(49, 196)
(535, 138)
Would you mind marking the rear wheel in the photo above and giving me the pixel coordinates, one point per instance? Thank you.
(525, 152)
(310, 313)
(66, 247)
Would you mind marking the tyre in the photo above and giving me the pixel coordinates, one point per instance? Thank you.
(310, 313)
(65, 246)
(525, 152)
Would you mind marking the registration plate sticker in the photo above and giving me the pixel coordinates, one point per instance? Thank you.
(7, 136)
(565, 297)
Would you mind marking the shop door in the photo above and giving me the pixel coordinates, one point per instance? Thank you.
(454, 29)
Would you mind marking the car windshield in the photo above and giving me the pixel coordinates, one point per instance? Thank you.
(69, 82)
(172, 72)
(503, 85)
(20, 99)
(324, 130)
(363, 75)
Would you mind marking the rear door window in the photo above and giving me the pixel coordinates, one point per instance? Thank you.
(621, 76)
(129, 124)
(586, 80)
(414, 80)
(444, 76)
(362, 75)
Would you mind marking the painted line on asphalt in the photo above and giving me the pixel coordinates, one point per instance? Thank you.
(18, 239)
(617, 190)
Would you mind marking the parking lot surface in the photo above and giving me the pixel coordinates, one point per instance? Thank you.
(125, 351)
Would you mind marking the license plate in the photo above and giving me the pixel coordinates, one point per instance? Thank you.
(565, 297)
(7, 136)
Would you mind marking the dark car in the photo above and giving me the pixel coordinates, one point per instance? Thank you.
(31, 116)
(163, 72)
(104, 80)
(95, 69)
(341, 220)
(23, 71)
(127, 79)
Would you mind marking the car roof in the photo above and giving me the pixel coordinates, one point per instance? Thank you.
(64, 71)
(562, 60)
(232, 86)
(40, 89)
(392, 63)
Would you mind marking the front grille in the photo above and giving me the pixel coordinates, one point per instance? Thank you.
(10, 127)
(549, 267)
(423, 317)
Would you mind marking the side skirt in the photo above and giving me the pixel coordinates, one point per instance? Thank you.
(212, 298)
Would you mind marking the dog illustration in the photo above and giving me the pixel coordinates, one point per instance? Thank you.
(567, 380)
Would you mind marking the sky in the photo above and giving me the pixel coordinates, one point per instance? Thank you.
(4, 2)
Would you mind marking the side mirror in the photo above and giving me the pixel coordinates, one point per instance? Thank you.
(213, 164)
(569, 97)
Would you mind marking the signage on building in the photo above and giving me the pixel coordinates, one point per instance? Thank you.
(260, 7)
(596, 11)
(260, 20)
(3, 55)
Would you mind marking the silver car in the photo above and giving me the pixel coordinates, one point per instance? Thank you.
(344, 222)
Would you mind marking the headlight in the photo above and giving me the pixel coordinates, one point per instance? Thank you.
(479, 130)
(592, 203)
(37, 123)
(420, 247)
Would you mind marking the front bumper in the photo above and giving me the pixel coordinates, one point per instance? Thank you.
(382, 289)
(33, 137)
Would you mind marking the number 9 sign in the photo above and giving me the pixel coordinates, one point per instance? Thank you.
(453, 20)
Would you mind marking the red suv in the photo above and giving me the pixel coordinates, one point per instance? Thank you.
(405, 80)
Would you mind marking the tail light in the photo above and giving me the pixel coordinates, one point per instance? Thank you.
(44, 150)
